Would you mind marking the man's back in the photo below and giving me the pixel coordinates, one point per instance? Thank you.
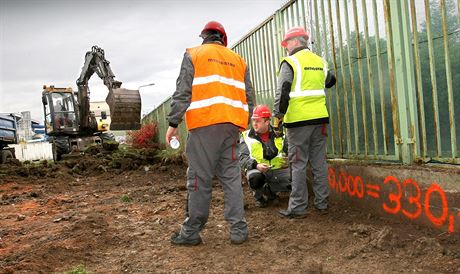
(218, 89)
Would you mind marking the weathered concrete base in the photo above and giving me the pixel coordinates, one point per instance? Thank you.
(427, 195)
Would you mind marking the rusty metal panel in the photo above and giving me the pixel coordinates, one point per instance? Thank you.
(273, 58)
(351, 78)
(343, 82)
(380, 79)
(360, 79)
(433, 79)
(338, 119)
(389, 33)
(370, 77)
(418, 74)
(453, 138)
(437, 35)
(323, 53)
(404, 82)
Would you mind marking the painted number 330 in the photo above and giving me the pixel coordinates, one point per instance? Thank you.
(394, 205)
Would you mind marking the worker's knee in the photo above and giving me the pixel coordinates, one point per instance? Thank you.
(256, 180)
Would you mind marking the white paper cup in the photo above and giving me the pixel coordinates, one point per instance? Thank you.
(174, 143)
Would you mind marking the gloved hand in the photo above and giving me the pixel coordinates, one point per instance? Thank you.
(278, 126)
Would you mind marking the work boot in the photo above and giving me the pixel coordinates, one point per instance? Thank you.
(261, 202)
(291, 215)
(177, 239)
(238, 240)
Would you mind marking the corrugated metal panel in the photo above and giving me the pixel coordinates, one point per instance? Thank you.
(33, 151)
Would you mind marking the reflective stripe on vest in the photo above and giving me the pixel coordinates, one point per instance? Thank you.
(218, 88)
(307, 97)
(218, 78)
(217, 100)
(311, 92)
(256, 151)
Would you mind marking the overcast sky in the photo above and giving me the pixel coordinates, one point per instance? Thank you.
(44, 42)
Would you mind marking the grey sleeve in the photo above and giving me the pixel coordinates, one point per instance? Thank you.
(249, 92)
(182, 97)
(246, 162)
(283, 89)
(330, 79)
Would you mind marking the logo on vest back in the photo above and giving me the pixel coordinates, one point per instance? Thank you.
(312, 68)
(225, 63)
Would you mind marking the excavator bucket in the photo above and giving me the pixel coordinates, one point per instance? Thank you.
(125, 109)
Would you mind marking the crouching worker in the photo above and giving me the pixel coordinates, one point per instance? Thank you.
(263, 159)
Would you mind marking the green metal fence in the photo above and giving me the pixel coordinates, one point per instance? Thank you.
(398, 70)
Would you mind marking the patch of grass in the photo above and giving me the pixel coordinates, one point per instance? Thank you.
(169, 156)
(79, 269)
(125, 198)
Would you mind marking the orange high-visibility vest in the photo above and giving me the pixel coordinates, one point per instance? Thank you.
(218, 89)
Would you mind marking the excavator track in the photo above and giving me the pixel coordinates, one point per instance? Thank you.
(125, 109)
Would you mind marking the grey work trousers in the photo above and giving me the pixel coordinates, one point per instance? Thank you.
(213, 150)
(307, 143)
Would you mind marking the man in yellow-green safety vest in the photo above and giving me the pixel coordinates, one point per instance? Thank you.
(263, 159)
(300, 103)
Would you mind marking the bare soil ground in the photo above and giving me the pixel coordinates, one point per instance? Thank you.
(114, 219)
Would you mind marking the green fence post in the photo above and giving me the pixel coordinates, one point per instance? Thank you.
(408, 141)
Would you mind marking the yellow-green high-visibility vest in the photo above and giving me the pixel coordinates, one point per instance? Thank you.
(307, 97)
(256, 151)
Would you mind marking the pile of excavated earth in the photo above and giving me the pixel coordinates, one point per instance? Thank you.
(114, 211)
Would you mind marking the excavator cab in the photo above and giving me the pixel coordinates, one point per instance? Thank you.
(61, 116)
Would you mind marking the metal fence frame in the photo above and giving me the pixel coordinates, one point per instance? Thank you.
(377, 108)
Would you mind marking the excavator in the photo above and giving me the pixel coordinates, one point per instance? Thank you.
(69, 122)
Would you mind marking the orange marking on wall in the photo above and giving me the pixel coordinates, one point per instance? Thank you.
(359, 191)
(343, 180)
(437, 221)
(395, 198)
(372, 194)
(373, 190)
(406, 197)
(373, 187)
(414, 199)
(350, 181)
(332, 179)
(451, 224)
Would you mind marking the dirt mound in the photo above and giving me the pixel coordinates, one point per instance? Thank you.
(94, 161)
(105, 222)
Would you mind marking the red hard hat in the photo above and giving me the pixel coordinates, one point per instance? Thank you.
(261, 111)
(294, 32)
(214, 25)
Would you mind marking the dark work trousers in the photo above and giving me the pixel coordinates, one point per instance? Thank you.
(277, 180)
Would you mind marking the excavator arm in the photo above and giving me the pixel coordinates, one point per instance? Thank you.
(124, 104)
